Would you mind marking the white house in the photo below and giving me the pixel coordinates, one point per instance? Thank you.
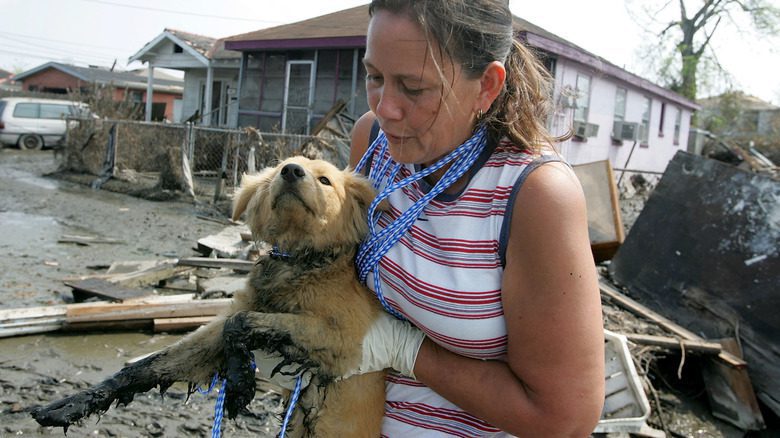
(613, 113)
(210, 74)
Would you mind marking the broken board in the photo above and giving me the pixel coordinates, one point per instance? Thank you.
(103, 289)
(704, 252)
(605, 226)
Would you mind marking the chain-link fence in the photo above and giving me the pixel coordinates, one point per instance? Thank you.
(205, 163)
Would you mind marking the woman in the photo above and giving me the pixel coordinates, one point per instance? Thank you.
(487, 251)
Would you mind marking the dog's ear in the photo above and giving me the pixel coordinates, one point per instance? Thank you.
(250, 184)
(360, 193)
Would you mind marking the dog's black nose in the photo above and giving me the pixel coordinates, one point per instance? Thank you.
(292, 172)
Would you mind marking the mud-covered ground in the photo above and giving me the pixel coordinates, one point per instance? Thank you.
(35, 211)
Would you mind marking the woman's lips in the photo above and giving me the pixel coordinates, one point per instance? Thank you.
(395, 139)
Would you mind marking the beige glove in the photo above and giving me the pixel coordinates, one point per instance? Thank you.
(266, 362)
(390, 343)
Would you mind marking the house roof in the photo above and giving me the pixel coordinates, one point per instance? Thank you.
(348, 28)
(201, 47)
(103, 75)
(4, 73)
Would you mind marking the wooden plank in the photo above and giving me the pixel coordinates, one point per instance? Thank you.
(206, 262)
(43, 319)
(180, 324)
(641, 310)
(86, 240)
(121, 312)
(675, 344)
(605, 227)
(32, 312)
(730, 392)
(103, 289)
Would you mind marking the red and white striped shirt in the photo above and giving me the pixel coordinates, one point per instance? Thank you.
(444, 276)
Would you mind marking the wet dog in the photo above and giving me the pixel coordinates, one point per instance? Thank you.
(302, 301)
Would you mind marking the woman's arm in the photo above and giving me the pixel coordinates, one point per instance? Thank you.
(553, 382)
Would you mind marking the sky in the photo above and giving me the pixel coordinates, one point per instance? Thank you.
(98, 32)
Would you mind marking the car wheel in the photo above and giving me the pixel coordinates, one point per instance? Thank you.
(30, 142)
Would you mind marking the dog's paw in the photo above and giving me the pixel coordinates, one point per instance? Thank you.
(121, 388)
(240, 379)
(70, 410)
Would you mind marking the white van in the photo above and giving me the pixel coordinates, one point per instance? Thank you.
(33, 123)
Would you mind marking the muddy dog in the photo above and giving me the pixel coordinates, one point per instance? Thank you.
(302, 301)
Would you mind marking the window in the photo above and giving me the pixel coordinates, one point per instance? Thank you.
(619, 115)
(26, 110)
(620, 105)
(177, 49)
(677, 123)
(583, 98)
(644, 130)
(661, 121)
(54, 111)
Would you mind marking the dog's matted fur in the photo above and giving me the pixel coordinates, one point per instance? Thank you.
(302, 301)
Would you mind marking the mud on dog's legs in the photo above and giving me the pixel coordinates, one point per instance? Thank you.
(193, 359)
(281, 334)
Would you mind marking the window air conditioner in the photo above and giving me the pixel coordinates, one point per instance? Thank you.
(625, 131)
(584, 130)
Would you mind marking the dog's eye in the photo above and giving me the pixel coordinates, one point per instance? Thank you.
(324, 180)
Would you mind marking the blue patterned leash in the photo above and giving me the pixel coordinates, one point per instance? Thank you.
(379, 243)
(219, 406)
(291, 406)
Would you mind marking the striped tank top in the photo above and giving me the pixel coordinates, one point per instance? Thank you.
(444, 276)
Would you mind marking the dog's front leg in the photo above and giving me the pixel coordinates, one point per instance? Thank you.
(193, 359)
(298, 340)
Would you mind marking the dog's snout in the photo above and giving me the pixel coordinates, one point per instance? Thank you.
(293, 172)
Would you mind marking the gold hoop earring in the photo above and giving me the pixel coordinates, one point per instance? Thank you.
(480, 114)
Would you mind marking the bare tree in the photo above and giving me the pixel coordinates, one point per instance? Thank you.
(690, 26)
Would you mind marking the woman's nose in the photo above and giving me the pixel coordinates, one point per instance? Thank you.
(388, 106)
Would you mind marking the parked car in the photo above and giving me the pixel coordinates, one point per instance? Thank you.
(32, 123)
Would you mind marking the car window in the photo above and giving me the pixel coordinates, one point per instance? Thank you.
(26, 110)
(53, 111)
(2, 107)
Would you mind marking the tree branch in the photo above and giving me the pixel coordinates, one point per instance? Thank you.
(701, 48)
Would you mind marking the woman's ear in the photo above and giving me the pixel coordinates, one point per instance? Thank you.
(491, 84)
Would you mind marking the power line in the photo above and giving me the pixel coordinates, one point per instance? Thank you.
(73, 43)
(42, 56)
(171, 11)
(38, 47)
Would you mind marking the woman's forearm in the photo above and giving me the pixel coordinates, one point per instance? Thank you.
(490, 390)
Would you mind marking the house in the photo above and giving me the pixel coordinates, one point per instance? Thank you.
(739, 115)
(7, 82)
(58, 78)
(292, 74)
(210, 74)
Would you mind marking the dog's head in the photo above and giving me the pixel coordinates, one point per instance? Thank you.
(303, 203)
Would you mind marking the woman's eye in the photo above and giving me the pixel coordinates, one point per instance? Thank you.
(412, 91)
(374, 78)
(324, 180)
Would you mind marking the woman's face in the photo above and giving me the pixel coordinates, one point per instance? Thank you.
(425, 111)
